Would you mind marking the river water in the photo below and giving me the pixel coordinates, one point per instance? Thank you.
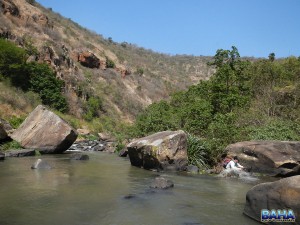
(107, 190)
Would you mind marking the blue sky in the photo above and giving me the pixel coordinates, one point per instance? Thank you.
(193, 27)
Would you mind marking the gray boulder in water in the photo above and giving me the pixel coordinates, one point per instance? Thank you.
(162, 183)
(163, 150)
(281, 194)
(46, 131)
(40, 164)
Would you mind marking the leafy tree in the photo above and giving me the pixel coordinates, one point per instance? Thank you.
(272, 57)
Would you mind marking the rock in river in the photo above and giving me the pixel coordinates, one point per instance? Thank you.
(163, 150)
(45, 131)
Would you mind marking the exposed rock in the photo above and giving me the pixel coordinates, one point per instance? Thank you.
(88, 59)
(42, 19)
(79, 156)
(123, 152)
(163, 150)
(282, 194)
(41, 164)
(123, 71)
(5, 129)
(161, 183)
(2, 156)
(106, 137)
(20, 153)
(83, 131)
(9, 7)
(45, 131)
(280, 158)
(192, 169)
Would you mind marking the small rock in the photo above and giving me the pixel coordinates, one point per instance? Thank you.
(123, 152)
(40, 164)
(2, 156)
(79, 156)
(192, 169)
(99, 148)
(161, 183)
(130, 196)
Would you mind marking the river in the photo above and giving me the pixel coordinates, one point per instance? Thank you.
(107, 190)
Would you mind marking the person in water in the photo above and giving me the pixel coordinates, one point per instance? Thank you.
(234, 164)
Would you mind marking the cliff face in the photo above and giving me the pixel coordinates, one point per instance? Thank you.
(125, 77)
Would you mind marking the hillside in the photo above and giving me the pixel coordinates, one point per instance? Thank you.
(121, 78)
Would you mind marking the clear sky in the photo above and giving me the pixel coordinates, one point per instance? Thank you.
(193, 27)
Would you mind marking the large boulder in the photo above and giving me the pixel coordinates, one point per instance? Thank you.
(280, 158)
(5, 129)
(282, 194)
(45, 131)
(163, 150)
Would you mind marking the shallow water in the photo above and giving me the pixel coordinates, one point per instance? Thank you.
(108, 190)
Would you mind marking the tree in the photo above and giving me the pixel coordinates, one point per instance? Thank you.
(272, 57)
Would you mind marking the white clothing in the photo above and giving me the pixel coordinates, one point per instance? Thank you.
(232, 165)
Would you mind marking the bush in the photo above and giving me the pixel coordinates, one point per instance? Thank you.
(197, 152)
(110, 63)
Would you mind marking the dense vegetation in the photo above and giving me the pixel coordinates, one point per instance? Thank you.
(30, 77)
(242, 101)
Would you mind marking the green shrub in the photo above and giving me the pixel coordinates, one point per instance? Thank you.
(10, 145)
(110, 63)
(15, 121)
(197, 152)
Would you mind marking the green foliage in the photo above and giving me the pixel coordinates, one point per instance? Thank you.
(33, 76)
(15, 121)
(110, 63)
(92, 107)
(242, 101)
(140, 71)
(10, 145)
(276, 130)
(197, 152)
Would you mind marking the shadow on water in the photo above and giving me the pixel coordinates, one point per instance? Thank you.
(108, 190)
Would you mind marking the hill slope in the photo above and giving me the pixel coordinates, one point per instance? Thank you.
(123, 78)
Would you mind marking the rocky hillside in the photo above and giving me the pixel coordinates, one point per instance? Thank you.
(123, 77)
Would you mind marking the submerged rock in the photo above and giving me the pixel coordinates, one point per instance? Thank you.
(163, 150)
(79, 156)
(161, 183)
(41, 164)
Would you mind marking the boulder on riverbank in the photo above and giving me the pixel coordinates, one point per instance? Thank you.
(279, 158)
(45, 131)
(20, 153)
(5, 129)
(164, 150)
(282, 194)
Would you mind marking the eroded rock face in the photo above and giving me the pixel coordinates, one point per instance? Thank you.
(280, 158)
(9, 7)
(88, 59)
(282, 194)
(5, 129)
(164, 150)
(45, 131)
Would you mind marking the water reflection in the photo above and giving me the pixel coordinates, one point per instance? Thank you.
(94, 192)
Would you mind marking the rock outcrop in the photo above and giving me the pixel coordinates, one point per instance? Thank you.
(45, 131)
(279, 158)
(5, 129)
(282, 194)
(88, 59)
(9, 7)
(164, 150)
